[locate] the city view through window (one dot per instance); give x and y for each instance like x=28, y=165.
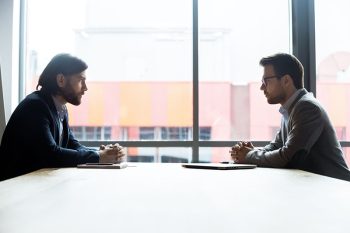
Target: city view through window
x=140, y=75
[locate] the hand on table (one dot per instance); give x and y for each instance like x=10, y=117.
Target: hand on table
x=111, y=153
x=240, y=150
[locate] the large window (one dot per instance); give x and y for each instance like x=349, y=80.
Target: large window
x=142, y=69
x=233, y=37
x=332, y=24
x=139, y=55
x=178, y=80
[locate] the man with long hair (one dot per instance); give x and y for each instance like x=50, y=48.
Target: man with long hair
x=38, y=134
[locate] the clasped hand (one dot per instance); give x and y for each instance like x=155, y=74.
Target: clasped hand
x=240, y=150
x=111, y=153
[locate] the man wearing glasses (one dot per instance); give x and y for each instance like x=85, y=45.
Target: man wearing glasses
x=306, y=139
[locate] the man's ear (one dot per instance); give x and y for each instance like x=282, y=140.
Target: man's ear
x=287, y=80
x=61, y=80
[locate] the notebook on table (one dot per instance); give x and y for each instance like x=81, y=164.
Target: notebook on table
x=218, y=166
x=103, y=165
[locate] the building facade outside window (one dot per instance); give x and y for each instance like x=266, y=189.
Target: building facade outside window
x=92, y=133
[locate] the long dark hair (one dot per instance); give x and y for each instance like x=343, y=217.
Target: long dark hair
x=62, y=63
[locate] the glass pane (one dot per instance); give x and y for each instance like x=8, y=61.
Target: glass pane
x=147, y=133
x=140, y=62
x=204, y=133
x=332, y=24
x=159, y=155
x=214, y=154
x=346, y=151
x=234, y=36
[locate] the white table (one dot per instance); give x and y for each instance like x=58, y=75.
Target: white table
x=168, y=198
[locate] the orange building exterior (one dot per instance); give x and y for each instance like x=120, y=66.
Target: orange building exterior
x=232, y=112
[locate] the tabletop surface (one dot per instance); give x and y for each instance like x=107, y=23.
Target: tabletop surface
x=169, y=198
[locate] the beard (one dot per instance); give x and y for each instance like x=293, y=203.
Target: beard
x=70, y=95
x=277, y=99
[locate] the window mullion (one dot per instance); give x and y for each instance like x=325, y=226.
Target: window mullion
x=195, y=96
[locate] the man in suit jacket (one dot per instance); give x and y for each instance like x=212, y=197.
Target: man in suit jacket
x=306, y=139
x=38, y=134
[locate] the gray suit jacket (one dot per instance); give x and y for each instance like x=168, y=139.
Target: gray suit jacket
x=309, y=143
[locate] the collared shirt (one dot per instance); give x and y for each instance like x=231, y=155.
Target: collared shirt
x=61, y=112
x=284, y=110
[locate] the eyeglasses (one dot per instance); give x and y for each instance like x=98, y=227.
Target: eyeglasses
x=263, y=80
